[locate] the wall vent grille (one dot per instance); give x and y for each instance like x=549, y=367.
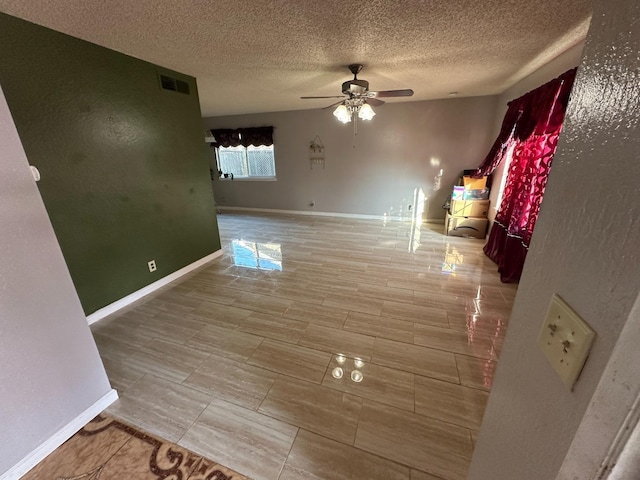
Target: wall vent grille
x=173, y=84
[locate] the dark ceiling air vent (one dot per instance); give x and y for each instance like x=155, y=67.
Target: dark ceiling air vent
x=169, y=83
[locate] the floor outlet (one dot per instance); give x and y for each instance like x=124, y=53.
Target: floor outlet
x=152, y=265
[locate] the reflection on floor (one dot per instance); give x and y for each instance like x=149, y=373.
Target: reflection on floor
x=318, y=348
x=106, y=449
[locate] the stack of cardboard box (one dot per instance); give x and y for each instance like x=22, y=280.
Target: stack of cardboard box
x=469, y=208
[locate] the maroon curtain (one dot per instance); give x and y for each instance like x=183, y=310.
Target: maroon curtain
x=257, y=136
x=226, y=137
x=537, y=121
x=501, y=145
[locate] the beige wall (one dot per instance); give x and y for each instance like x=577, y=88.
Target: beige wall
x=51, y=371
x=585, y=248
x=376, y=172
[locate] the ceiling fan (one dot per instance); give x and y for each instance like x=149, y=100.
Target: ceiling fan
x=358, y=99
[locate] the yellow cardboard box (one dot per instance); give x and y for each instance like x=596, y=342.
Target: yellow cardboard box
x=469, y=208
x=466, y=226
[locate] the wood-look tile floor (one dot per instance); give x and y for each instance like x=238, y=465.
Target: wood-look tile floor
x=318, y=348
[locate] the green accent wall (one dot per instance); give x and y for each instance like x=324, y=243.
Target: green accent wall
x=125, y=172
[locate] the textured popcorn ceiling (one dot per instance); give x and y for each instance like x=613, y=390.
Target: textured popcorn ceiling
x=258, y=55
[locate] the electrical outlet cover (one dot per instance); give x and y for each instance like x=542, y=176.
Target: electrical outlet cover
x=565, y=339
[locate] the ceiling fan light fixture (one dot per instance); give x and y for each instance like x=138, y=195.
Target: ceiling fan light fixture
x=342, y=113
x=366, y=112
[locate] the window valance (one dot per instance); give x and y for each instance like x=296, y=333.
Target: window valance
x=257, y=136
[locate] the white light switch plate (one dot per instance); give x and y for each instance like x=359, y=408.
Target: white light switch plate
x=565, y=339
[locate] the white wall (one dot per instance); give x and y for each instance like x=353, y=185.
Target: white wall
x=51, y=371
x=555, y=68
x=585, y=248
x=376, y=172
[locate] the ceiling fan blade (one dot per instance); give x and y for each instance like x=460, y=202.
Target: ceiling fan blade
x=333, y=96
x=374, y=102
x=333, y=105
x=392, y=93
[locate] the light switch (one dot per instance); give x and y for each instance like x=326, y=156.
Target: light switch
x=566, y=340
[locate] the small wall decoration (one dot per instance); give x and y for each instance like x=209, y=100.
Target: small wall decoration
x=316, y=152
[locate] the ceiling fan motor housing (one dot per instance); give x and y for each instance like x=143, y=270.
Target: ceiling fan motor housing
x=355, y=87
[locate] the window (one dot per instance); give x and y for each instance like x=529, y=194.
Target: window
x=247, y=162
x=505, y=173
x=245, y=152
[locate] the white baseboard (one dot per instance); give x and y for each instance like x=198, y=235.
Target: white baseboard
x=305, y=212
x=323, y=214
x=137, y=295
x=58, y=438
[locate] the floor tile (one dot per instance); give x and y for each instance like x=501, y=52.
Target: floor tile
x=254, y=339
x=411, y=439
x=449, y=303
x=415, y=313
x=263, y=303
x=221, y=315
x=122, y=374
x=168, y=301
x=292, y=360
x=486, y=325
x=382, y=384
x=319, y=409
x=249, y=442
x=353, y=303
x=476, y=372
x=316, y=314
x=413, y=283
x=298, y=292
x=167, y=326
x=317, y=458
x=263, y=285
x=167, y=359
x=215, y=294
x=466, y=343
x=235, y=382
x=338, y=341
x=457, y=404
x=123, y=332
x=416, y=359
x=384, y=292
x=159, y=406
x=225, y=342
x=418, y=475
x=114, y=348
x=274, y=326
x=361, y=278
x=380, y=326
